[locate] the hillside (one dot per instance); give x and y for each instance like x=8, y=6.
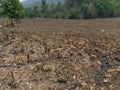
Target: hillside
x=33, y=2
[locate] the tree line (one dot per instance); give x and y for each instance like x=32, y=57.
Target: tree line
x=70, y=9
x=75, y=9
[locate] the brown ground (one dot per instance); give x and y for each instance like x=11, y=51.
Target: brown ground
x=49, y=54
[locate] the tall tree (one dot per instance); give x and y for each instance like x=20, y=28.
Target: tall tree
x=44, y=8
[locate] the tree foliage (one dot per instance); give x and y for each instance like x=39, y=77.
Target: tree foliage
x=12, y=9
x=77, y=9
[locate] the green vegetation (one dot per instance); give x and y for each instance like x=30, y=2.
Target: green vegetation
x=70, y=9
x=75, y=9
x=12, y=9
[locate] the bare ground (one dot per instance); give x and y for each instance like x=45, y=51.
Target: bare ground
x=50, y=54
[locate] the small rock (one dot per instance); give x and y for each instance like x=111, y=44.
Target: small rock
x=74, y=77
x=98, y=62
x=102, y=30
x=105, y=81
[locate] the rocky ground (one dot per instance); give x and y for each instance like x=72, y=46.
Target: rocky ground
x=50, y=54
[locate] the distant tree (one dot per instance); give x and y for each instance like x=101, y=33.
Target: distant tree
x=29, y=13
x=13, y=9
x=36, y=11
x=104, y=8
x=75, y=9
x=44, y=8
x=74, y=13
x=57, y=11
x=116, y=5
x=73, y=3
x=88, y=10
x=0, y=8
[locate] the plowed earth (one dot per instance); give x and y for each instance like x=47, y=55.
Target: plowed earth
x=50, y=54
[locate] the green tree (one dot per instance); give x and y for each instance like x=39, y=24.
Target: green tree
x=13, y=9
x=74, y=13
x=29, y=13
x=88, y=10
x=116, y=4
x=104, y=8
x=73, y=7
x=1, y=8
x=44, y=8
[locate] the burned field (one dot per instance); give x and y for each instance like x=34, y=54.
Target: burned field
x=50, y=54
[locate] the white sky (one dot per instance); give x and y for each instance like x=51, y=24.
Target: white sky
x=22, y=0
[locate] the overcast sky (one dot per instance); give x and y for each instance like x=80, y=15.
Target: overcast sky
x=22, y=0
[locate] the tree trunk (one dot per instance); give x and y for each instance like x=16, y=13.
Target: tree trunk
x=12, y=22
